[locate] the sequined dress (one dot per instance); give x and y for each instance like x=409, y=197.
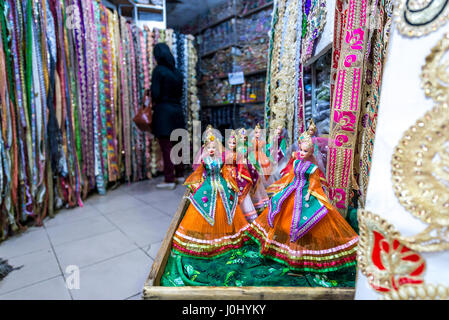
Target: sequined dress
x=213, y=223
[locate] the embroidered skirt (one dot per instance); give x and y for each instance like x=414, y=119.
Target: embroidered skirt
x=196, y=237
x=329, y=245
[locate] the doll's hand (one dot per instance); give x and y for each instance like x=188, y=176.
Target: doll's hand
x=307, y=197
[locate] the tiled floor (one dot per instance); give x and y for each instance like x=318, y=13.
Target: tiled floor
x=113, y=240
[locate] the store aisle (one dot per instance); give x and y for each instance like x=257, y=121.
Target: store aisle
x=113, y=240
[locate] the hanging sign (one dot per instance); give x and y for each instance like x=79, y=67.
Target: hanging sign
x=236, y=78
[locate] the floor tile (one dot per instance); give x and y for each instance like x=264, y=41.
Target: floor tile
x=135, y=297
x=142, y=212
x=52, y=289
x=101, y=238
x=139, y=187
x=71, y=215
x=120, y=202
x=167, y=207
x=25, y=243
x=115, y=279
x=153, y=194
x=153, y=249
x=145, y=231
x=78, y=230
x=37, y=266
x=89, y=251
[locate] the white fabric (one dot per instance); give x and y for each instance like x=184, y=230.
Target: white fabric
x=402, y=102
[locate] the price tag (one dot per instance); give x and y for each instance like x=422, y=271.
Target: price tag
x=236, y=78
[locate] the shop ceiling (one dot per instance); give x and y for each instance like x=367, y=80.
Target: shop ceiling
x=179, y=12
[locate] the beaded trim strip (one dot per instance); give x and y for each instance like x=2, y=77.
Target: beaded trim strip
x=346, y=109
x=283, y=82
x=370, y=102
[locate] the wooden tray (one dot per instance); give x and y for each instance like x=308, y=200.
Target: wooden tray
x=154, y=291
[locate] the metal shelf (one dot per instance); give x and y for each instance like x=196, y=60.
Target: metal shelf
x=216, y=50
x=216, y=23
x=255, y=10
x=251, y=12
x=224, y=76
x=230, y=104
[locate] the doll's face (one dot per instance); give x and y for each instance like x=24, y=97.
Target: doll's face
x=232, y=143
x=305, y=149
x=257, y=133
x=312, y=131
x=211, y=148
x=278, y=131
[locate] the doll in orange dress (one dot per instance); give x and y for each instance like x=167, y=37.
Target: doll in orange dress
x=213, y=223
x=241, y=174
x=259, y=196
x=259, y=159
x=300, y=227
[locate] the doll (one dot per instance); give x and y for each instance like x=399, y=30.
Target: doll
x=278, y=146
x=258, y=194
x=241, y=174
x=320, y=149
x=300, y=227
x=259, y=159
x=279, y=151
x=213, y=223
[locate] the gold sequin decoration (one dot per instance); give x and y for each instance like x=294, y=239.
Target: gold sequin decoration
x=435, y=75
x=420, y=163
x=395, y=262
x=416, y=18
x=420, y=167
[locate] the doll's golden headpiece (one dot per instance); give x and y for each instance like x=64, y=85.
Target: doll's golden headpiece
x=242, y=132
x=209, y=135
x=312, y=128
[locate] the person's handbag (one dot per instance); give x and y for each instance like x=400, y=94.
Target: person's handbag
x=143, y=118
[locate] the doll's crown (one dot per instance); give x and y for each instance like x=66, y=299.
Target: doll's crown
x=312, y=127
x=242, y=132
x=209, y=135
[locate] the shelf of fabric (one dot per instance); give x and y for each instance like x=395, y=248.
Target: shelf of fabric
x=216, y=50
x=155, y=9
x=225, y=76
x=216, y=23
x=230, y=104
x=253, y=11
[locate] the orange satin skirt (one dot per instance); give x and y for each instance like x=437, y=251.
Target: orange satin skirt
x=330, y=245
x=196, y=237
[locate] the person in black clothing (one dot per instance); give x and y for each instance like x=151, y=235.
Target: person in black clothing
x=166, y=92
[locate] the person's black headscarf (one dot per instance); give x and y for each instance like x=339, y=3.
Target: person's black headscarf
x=163, y=56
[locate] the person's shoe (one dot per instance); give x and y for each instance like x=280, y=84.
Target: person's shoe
x=180, y=180
x=166, y=185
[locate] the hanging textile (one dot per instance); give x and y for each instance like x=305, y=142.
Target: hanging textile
x=378, y=44
x=283, y=85
x=346, y=106
x=72, y=76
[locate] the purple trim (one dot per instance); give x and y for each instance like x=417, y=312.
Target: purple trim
x=305, y=228
x=299, y=177
x=296, y=218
